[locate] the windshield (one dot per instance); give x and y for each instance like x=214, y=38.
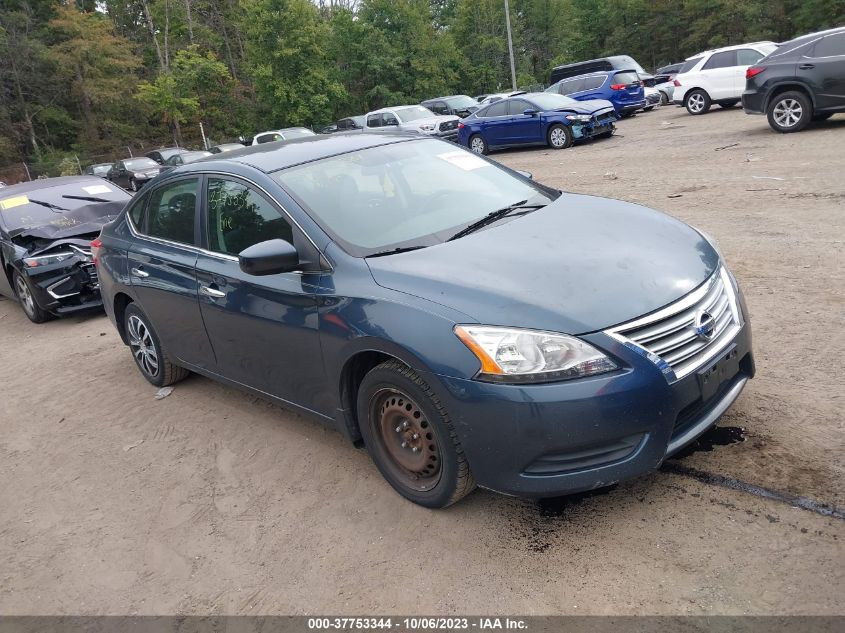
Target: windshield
x=140, y=163
x=413, y=113
x=38, y=207
x=462, y=101
x=416, y=193
x=550, y=101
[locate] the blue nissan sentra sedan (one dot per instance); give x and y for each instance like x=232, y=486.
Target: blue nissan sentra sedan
x=469, y=326
x=536, y=118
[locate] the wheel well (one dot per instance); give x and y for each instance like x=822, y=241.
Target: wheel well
x=788, y=88
x=350, y=380
x=121, y=300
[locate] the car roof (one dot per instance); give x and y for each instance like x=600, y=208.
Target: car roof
x=47, y=183
x=270, y=157
x=396, y=107
x=732, y=48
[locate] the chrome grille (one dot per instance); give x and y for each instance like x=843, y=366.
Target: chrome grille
x=674, y=334
x=449, y=125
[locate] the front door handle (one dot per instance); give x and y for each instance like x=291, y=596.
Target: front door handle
x=806, y=66
x=140, y=273
x=208, y=291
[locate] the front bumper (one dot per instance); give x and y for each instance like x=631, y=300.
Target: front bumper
x=66, y=287
x=562, y=438
x=625, y=108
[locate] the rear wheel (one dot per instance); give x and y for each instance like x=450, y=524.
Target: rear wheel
x=410, y=437
x=27, y=299
x=560, y=136
x=478, y=145
x=150, y=357
x=697, y=102
x=789, y=112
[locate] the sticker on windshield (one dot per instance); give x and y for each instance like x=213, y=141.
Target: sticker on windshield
x=97, y=189
x=464, y=160
x=11, y=203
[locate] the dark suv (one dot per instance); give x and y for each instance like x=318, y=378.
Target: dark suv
x=802, y=81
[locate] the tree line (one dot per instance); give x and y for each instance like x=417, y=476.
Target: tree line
x=91, y=77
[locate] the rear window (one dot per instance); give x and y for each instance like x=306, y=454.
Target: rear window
x=689, y=65
x=591, y=83
x=626, y=77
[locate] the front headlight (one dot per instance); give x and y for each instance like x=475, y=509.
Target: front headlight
x=46, y=260
x=140, y=176
x=579, y=117
x=524, y=356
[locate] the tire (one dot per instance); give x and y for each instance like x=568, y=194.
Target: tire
x=133, y=186
x=478, y=145
x=151, y=358
x=789, y=112
x=409, y=435
x=664, y=98
x=27, y=299
x=822, y=116
x=559, y=136
x=605, y=134
x=697, y=102
x=648, y=108
x=728, y=104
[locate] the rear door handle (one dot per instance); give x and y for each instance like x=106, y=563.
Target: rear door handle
x=806, y=66
x=208, y=291
x=138, y=272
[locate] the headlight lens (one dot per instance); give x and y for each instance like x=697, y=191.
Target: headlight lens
x=519, y=356
x=46, y=260
x=578, y=117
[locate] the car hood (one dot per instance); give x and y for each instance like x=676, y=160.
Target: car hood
x=80, y=221
x=578, y=265
x=590, y=106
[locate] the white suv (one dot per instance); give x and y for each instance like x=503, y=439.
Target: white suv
x=716, y=76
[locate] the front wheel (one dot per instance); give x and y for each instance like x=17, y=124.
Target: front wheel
x=478, y=145
x=560, y=136
x=150, y=357
x=697, y=102
x=30, y=306
x=789, y=112
x=410, y=437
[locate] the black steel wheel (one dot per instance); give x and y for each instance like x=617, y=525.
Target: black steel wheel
x=410, y=437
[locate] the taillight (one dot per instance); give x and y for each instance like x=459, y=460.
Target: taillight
x=751, y=71
x=96, y=245
x=617, y=86
x=642, y=83
x=460, y=126
x=676, y=83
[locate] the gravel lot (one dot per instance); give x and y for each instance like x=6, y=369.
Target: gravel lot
x=213, y=501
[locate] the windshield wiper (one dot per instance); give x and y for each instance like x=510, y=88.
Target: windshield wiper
x=493, y=216
x=88, y=198
x=49, y=205
x=394, y=251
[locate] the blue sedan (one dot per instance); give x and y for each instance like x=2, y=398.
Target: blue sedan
x=466, y=324
x=536, y=118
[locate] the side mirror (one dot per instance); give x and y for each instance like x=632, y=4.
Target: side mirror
x=269, y=258
x=529, y=112
x=527, y=174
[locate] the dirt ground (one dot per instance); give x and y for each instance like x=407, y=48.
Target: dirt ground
x=212, y=501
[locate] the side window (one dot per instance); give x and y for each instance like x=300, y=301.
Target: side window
x=239, y=217
x=500, y=108
x=571, y=85
x=831, y=46
x=747, y=56
x=438, y=107
x=268, y=138
x=388, y=118
x=171, y=211
x=374, y=120
x=136, y=211
x=591, y=83
x=725, y=59
x=343, y=124
x=518, y=106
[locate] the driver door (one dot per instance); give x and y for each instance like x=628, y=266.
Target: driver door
x=522, y=127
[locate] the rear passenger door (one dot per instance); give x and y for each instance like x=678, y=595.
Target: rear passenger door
x=719, y=73
x=162, y=262
x=263, y=328
x=495, y=123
